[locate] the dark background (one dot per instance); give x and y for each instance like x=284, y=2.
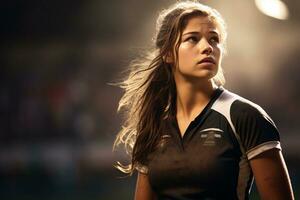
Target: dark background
x=58, y=114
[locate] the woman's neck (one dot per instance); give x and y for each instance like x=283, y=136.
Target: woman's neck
x=191, y=98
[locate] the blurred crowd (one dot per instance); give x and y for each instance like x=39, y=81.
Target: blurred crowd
x=58, y=112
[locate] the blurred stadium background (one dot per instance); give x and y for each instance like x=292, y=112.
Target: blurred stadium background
x=58, y=114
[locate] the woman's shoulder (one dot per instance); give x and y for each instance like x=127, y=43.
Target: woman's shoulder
x=232, y=99
x=243, y=109
x=233, y=105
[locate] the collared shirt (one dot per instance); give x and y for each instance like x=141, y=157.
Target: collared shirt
x=211, y=160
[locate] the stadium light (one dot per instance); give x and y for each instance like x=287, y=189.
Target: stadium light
x=273, y=8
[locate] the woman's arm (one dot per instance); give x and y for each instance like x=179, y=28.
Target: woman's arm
x=271, y=176
x=143, y=189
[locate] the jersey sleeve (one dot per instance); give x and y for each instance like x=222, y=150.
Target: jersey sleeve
x=256, y=130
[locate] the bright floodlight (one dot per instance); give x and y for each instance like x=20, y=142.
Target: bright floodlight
x=273, y=8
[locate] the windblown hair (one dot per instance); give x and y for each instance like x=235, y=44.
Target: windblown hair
x=150, y=90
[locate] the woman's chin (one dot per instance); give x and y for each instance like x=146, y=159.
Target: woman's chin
x=206, y=74
x=201, y=77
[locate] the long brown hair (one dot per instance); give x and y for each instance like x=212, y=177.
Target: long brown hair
x=150, y=90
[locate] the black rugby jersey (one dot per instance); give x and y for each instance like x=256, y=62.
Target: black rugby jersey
x=211, y=160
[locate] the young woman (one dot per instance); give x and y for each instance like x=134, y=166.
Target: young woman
x=189, y=137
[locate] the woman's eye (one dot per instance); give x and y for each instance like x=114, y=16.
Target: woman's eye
x=215, y=39
x=192, y=39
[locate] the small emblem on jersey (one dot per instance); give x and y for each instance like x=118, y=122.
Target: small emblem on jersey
x=211, y=135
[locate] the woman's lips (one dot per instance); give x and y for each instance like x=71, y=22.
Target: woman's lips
x=208, y=60
x=206, y=65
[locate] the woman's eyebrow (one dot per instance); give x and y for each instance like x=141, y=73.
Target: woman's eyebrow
x=215, y=32
x=197, y=32
x=192, y=32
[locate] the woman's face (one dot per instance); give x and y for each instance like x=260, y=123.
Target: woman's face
x=199, y=40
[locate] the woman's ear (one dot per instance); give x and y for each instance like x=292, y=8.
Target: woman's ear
x=168, y=58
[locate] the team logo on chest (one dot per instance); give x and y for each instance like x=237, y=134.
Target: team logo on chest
x=211, y=135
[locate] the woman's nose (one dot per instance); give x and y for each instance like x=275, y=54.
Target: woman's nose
x=206, y=48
